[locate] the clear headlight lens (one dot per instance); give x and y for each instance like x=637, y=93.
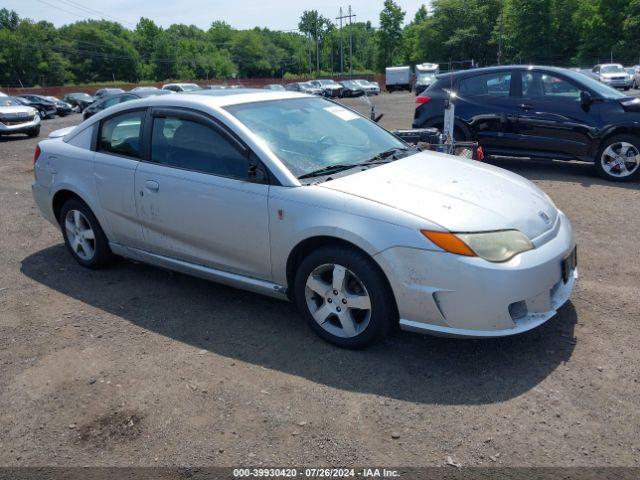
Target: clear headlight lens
x=499, y=246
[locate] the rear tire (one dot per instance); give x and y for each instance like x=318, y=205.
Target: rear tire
x=83, y=235
x=618, y=159
x=345, y=297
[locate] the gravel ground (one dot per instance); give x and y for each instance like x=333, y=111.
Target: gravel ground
x=139, y=366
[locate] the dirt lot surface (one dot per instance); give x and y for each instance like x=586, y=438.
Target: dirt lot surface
x=139, y=366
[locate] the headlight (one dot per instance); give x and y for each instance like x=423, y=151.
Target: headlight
x=499, y=246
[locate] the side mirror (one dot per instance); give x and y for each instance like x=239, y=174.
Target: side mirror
x=586, y=99
x=256, y=174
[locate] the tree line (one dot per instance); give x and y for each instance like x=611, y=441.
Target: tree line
x=557, y=32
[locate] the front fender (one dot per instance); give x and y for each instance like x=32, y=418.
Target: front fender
x=630, y=127
x=301, y=213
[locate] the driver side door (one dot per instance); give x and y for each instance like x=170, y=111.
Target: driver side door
x=194, y=198
x=552, y=119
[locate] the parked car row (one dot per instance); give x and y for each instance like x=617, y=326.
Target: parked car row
x=23, y=113
x=332, y=89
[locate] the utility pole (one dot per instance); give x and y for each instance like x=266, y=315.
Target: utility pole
x=500, y=39
x=317, y=49
x=341, y=17
x=350, y=44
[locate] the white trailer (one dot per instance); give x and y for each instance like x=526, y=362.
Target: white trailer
x=398, y=78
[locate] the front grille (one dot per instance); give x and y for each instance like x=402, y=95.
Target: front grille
x=9, y=121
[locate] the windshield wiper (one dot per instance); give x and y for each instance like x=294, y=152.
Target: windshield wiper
x=392, y=152
x=335, y=169
x=380, y=158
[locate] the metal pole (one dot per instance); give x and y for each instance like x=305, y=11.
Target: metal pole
x=350, y=45
x=500, y=39
x=317, y=49
x=341, y=46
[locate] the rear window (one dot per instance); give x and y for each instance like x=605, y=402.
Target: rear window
x=493, y=84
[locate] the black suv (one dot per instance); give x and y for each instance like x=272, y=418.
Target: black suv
x=539, y=112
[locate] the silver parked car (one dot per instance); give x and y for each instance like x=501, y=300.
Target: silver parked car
x=18, y=118
x=635, y=76
x=297, y=197
x=614, y=75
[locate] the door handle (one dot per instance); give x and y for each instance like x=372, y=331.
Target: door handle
x=152, y=186
x=526, y=106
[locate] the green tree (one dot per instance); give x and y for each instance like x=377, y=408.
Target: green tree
x=527, y=30
x=390, y=34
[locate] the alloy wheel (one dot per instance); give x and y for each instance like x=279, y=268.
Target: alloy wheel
x=338, y=300
x=620, y=159
x=80, y=235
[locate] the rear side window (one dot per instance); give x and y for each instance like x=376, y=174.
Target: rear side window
x=493, y=84
x=120, y=134
x=191, y=145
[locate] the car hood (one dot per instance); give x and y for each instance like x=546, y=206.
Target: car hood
x=12, y=110
x=458, y=194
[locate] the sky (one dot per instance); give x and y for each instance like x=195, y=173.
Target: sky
x=241, y=14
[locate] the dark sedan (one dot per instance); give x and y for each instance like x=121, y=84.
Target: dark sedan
x=111, y=100
x=351, y=89
x=103, y=92
x=78, y=100
x=62, y=108
x=46, y=108
x=539, y=112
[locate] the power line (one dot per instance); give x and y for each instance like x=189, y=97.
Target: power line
x=92, y=11
x=84, y=10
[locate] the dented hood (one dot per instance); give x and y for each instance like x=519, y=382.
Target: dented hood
x=458, y=194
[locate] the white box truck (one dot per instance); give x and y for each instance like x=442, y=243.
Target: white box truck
x=398, y=78
x=425, y=75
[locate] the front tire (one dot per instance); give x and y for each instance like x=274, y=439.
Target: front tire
x=34, y=133
x=83, y=235
x=344, y=297
x=619, y=158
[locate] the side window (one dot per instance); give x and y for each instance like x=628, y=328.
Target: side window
x=494, y=84
x=182, y=143
x=120, y=134
x=545, y=85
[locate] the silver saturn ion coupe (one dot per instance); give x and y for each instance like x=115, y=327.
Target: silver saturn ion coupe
x=299, y=198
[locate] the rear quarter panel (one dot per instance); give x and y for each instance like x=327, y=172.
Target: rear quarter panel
x=62, y=166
